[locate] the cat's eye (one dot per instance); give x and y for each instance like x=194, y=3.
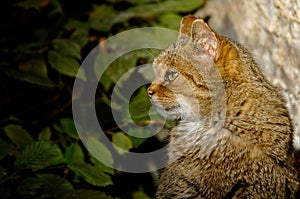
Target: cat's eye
x=171, y=76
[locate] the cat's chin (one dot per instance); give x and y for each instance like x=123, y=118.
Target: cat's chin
x=176, y=113
x=170, y=113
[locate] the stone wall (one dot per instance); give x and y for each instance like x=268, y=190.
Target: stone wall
x=270, y=29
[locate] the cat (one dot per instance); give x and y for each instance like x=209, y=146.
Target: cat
x=233, y=136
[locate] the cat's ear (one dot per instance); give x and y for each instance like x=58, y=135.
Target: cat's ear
x=186, y=25
x=203, y=35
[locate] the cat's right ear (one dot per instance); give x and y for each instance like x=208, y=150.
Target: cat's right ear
x=204, y=36
x=201, y=33
x=186, y=25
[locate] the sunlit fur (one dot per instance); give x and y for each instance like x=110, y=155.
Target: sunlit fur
x=234, y=137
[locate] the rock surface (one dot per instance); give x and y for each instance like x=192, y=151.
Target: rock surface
x=271, y=31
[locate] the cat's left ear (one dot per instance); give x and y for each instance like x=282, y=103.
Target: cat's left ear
x=203, y=35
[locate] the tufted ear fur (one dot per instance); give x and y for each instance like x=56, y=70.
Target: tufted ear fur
x=205, y=37
x=186, y=25
x=201, y=34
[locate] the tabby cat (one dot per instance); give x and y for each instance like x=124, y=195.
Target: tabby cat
x=233, y=137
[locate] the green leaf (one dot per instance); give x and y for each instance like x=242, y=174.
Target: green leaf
x=138, y=133
x=18, y=134
x=54, y=186
x=92, y=175
x=101, y=17
x=139, y=106
x=29, y=186
x=140, y=195
x=122, y=142
x=116, y=69
x=66, y=65
x=35, y=66
x=156, y=9
x=45, y=134
x=28, y=4
x=86, y=194
x=57, y=8
x=30, y=78
x=67, y=47
x=69, y=127
x=38, y=155
x=170, y=20
x=74, y=154
x=166, y=6
x=6, y=149
x=81, y=40
x=102, y=166
x=80, y=31
x=77, y=27
x=99, y=151
x=141, y=1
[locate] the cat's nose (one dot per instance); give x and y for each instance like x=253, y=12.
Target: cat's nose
x=151, y=90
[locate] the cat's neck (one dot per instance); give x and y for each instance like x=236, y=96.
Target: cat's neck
x=190, y=137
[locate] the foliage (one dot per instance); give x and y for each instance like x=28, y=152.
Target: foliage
x=43, y=44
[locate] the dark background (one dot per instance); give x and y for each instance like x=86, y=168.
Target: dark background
x=42, y=44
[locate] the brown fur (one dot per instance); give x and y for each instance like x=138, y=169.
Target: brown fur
x=251, y=155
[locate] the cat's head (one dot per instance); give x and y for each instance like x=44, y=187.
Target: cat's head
x=187, y=81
